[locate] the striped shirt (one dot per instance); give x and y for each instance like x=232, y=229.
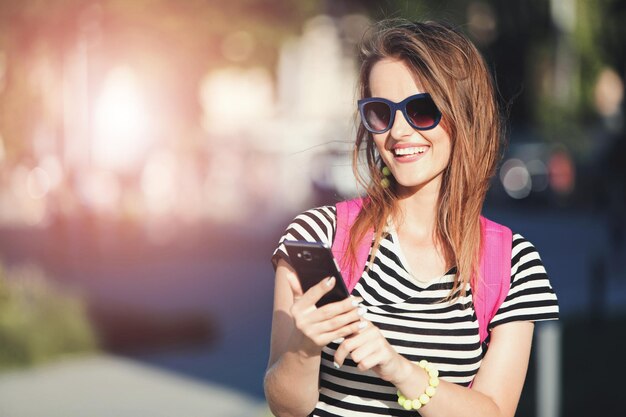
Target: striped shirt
x=414, y=319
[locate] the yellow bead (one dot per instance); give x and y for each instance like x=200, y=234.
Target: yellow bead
x=429, y=367
x=416, y=404
x=408, y=405
x=401, y=400
x=423, y=363
x=424, y=399
x=430, y=391
x=433, y=382
x=433, y=373
x=385, y=182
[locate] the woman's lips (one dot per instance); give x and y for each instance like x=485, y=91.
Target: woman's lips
x=409, y=153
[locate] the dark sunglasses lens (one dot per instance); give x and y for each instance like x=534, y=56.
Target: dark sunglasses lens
x=422, y=112
x=377, y=115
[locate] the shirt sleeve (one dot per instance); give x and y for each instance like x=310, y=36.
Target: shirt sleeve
x=314, y=225
x=530, y=297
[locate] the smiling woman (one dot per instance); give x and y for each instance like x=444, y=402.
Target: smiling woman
x=414, y=325
x=122, y=123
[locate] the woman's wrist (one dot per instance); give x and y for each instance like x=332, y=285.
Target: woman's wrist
x=409, y=402
x=298, y=344
x=410, y=378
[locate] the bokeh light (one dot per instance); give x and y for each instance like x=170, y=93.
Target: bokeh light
x=516, y=179
x=38, y=183
x=609, y=92
x=121, y=126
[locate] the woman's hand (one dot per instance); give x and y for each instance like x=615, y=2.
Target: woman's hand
x=316, y=327
x=370, y=350
x=299, y=332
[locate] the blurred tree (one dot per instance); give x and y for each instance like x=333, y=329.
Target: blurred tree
x=37, y=321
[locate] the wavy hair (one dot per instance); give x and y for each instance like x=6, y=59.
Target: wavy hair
x=453, y=71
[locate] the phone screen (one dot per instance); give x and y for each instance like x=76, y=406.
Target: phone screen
x=313, y=262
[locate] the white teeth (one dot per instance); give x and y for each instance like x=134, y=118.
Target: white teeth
x=410, y=151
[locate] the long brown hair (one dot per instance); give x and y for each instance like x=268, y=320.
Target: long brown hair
x=452, y=70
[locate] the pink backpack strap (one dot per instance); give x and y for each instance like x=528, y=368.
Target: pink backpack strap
x=347, y=212
x=495, y=273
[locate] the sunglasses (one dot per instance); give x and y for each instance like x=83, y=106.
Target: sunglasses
x=378, y=114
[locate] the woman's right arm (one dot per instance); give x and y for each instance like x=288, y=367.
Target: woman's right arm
x=299, y=332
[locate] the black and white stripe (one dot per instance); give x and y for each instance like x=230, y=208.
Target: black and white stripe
x=415, y=320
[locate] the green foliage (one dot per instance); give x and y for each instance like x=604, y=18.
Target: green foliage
x=37, y=321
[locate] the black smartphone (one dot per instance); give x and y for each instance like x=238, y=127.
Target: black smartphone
x=314, y=261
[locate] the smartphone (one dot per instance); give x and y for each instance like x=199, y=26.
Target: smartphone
x=314, y=261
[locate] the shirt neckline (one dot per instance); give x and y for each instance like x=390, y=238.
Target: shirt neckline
x=395, y=240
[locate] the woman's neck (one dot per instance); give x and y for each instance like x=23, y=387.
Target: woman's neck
x=418, y=212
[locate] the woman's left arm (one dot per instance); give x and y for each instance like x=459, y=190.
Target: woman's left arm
x=496, y=388
x=503, y=370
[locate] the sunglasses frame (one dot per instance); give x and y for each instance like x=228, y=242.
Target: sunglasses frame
x=394, y=107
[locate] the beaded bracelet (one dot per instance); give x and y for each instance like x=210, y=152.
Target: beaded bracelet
x=433, y=382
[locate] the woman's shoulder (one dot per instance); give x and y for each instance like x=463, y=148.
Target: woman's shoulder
x=522, y=249
x=324, y=213
x=313, y=225
x=530, y=296
x=519, y=243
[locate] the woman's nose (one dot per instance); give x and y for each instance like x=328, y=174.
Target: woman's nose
x=400, y=128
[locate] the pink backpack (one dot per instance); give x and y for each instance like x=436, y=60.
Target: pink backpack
x=495, y=261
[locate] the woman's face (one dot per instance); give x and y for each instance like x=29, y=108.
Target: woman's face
x=416, y=158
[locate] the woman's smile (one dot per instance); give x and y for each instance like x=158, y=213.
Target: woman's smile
x=409, y=152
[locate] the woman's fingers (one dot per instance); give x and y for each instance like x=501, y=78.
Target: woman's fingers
x=316, y=292
x=367, y=356
x=369, y=350
x=332, y=310
x=339, y=334
x=366, y=333
x=332, y=319
x=329, y=322
x=294, y=283
x=336, y=322
x=306, y=303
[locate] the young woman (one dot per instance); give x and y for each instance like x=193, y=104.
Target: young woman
x=431, y=131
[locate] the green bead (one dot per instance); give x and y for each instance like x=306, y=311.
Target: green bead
x=386, y=171
x=416, y=404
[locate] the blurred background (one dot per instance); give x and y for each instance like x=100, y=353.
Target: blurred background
x=153, y=151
